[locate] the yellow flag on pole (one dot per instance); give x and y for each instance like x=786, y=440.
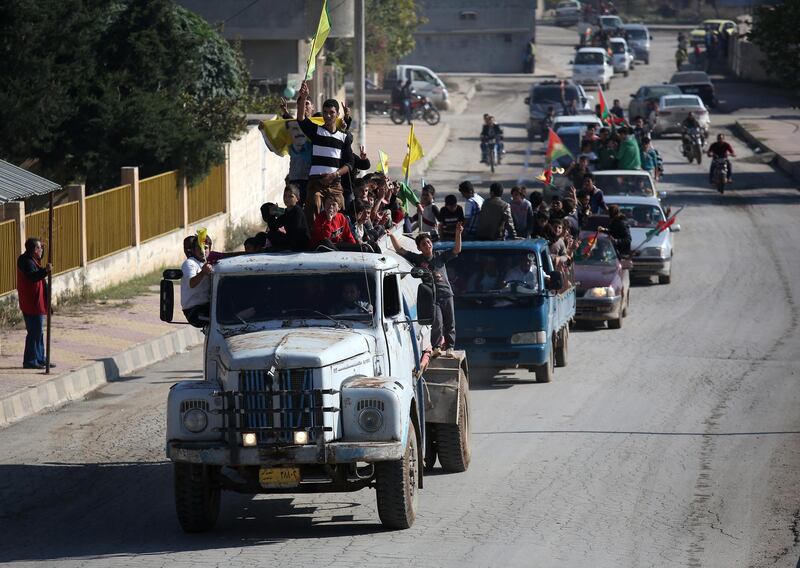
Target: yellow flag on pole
x=323, y=29
x=413, y=153
x=383, y=162
x=280, y=133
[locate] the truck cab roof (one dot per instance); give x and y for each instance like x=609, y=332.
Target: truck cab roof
x=521, y=244
x=322, y=262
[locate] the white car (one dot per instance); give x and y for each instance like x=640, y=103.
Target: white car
x=577, y=120
x=568, y=13
x=626, y=182
x=650, y=257
x=621, y=55
x=592, y=66
x=673, y=110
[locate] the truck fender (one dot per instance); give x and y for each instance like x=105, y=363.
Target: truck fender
x=188, y=395
x=391, y=397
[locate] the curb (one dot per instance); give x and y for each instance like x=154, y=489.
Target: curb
x=422, y=166
x=787, y=167
x=80, y=382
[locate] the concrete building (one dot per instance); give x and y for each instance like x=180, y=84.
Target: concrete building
x=474, y=35
x=275, y=35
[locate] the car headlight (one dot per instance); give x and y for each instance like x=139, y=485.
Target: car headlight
x=660, y=252
x=195, y=420
x=601, y=292
x=529, y=337
x=370, y=419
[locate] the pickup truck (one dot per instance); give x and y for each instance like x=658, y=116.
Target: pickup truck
x=512, y=308
x=425, y=82
x=317, y=377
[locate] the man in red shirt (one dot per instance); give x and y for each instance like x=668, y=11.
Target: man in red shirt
x=331, y=230
x=720, y=149
x=33, y=302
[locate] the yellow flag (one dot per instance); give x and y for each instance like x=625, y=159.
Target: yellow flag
x=414, y=152
x=280, y=132
x=323, y=29
x=383, y=162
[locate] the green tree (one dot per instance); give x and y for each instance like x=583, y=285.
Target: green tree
x=141, y=82
x=774, y=30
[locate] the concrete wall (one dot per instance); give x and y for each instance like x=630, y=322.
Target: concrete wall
x=475, y=35
x=746, y=61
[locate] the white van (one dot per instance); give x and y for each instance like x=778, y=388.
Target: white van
x=424, y=81
x=621, y=55
x=592, y=66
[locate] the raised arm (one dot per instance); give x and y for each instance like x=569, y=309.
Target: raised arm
x=457, y=240
x=396, y=243
x=301, y=102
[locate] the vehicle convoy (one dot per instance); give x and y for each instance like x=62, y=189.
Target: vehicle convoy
x=554, y=94
x=512, y=307
x=621, y=55
x=317, y=378
x=592, y=66
x=424, y=81
x=639, y=39
x=603, y=282
x=651, y=257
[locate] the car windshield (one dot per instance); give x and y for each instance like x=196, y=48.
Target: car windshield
x=601, y=253
x=494, y=274
x=262, y=297
x=589, y=58
x=681, y=101
x=641, y=216
x=711, y=26
x=660, y=91
x=617, y=47
x=637, y=33
x=543, y=94
x=610, y=21
x=624, y=185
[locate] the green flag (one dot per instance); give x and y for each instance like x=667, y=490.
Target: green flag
x=407, y=197
x=323, y=29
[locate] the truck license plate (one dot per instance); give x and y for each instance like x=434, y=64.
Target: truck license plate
x=278, y=477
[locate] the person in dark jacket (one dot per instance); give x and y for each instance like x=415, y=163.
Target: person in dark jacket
x=292, y=220
x=33, y=301
x=495, y=218
x=618, y=229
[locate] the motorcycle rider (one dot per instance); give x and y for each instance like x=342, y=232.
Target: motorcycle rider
x=491, y=131
x=689, y=123
x=720, y=149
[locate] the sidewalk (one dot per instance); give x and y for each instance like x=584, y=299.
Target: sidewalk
x=101, y=342
x=776, y=134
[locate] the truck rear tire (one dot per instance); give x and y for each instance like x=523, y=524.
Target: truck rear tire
x=563, y=347
x=615, y=323
x=396, y=486
x=544, y=373
x=197, y=496
x=452, y=440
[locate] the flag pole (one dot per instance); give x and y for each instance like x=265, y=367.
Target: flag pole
x=49, y=283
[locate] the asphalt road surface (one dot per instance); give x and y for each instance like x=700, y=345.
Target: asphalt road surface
x=674, y=441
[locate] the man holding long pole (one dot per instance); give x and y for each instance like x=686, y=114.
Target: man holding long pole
x=33, y=302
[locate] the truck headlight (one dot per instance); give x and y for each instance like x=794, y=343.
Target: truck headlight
x=529, y=337
x=656, y=252
x=195, y=420
x=603, y=292
x=370, y=419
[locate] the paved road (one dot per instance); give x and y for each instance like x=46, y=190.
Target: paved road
x=674, y=441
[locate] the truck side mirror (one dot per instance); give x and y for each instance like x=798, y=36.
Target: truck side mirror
x=172, y=274
x=166, y=300
x=527, y=100
x=556, y=280
x=418, y=272
x=426, y=303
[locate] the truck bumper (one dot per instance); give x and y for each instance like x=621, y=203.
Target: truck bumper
x=216, y=453
x=506, y=355
x=651, y=267
x=598, y=309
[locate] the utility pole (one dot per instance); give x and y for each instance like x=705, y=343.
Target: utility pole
x=359, y=93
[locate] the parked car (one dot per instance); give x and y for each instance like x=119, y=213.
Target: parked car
x=695, y=83
x=698, y=35
x=576, y=120
x=626, y=182
x=647, y=95
x=673, y=110
x=653, y=258
x=621, y=55
x=592, y=66
x=568, y=13
x=551, y=94
x=602, y=282
x=425, y=83
x=639, y=39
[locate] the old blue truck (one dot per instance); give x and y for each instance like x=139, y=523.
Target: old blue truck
x=513, y=308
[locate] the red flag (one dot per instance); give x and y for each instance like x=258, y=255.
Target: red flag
x=555, y=148
x=604, y=114
x=587, y=248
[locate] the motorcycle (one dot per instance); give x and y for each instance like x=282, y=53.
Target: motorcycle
x=692, y=147
x=421, y=109
x=493, y=155
x=720, y=173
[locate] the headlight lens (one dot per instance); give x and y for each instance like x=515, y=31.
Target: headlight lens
x=195, y=420
x=529, y=337
x=370, y=419
x=656, y=252
x=604, y=292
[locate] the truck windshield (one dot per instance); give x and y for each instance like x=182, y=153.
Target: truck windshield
x=552, y=94
x=494, y=273
x=263, y=297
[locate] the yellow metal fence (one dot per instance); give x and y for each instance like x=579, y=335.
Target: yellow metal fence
x=208, y=197
x=66, y=235
x=160, y=207
x=109, y=222
x=9, y=251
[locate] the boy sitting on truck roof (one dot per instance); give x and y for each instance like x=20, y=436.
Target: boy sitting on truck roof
x=331, y=230
x=444, y=321
x=196, y=282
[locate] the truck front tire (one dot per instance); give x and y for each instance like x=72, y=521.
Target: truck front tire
x=562, y=348
x=544, y=373
x=452, y=440
x=396, y=486
x=197, y=496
